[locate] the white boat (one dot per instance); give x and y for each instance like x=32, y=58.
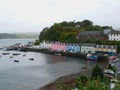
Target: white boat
x=57, y=54
x=16, y=53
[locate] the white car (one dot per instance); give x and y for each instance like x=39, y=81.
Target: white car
x=108, y=71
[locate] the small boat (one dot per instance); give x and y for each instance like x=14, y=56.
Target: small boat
x=31, y=59
x=6, y=53
x=24, y=55
x=16, y=53
x=16, y=60
x=91, y=57
x=11, y=56
x=57, y=54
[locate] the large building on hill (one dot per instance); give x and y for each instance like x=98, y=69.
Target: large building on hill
x=90, y=35
x=114, y=35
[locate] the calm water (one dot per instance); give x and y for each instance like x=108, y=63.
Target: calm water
x=30, y=75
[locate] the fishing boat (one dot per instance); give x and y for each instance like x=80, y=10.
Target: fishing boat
x=91, y=57
x=31, y=59
x=11, y=56
x=16, y=53
x=5, y=53
x=16, y=60
x=24, y=55
x=57, y=54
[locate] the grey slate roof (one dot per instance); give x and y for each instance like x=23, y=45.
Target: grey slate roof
x=106, y=31
x=114, y=32
x=88, y=44
x=90, y=32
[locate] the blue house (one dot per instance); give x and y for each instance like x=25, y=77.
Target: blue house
x=73, y=48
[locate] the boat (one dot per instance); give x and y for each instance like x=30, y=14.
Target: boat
x=57, y=54
x=24, y=55
x=31, y=59
x=11, y=56
x=5, y=53
x=91, y=57
x=16, y=53
x=109, y=72
x=16, y=60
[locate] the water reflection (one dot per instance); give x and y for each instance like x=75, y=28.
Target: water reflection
x=56, y=59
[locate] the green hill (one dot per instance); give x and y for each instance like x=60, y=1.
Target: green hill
x=7, y=35
x=18, y=35
x=68, y=31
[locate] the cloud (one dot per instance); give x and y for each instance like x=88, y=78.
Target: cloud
x=30, y=14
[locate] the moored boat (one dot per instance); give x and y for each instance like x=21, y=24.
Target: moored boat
x=5, y=53
x=31, y=59
x=16, y=53
x=16, y=60
x=91, y=57
x=57, y=54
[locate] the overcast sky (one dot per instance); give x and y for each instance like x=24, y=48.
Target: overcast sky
x=34, y=15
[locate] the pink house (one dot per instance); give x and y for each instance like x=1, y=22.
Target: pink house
x=57, y=46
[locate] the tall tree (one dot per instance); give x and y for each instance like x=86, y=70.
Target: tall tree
x=86, y=23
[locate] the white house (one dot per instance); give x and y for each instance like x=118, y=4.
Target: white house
x=114, y=35
x=88, y=48
x=45, y=45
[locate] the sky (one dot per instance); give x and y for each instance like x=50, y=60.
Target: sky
x=34, y=15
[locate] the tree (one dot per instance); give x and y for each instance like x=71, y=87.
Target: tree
x=37, y=42
x=86, y=23
x=81, y=82
x=97, y=73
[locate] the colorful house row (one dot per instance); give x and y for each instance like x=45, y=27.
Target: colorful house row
x=58, y=46
x=82, y=48
x=106, y=49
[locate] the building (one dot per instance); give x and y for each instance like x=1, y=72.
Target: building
x=58, y=46
x=88, y=48
x=90, y=35
x=114, y=35
x=46, y=45
x=73, y=47
x=106, y=49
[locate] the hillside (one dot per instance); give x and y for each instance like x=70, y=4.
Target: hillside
x=7, y=35
x=18, y=35
x=68, y=31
